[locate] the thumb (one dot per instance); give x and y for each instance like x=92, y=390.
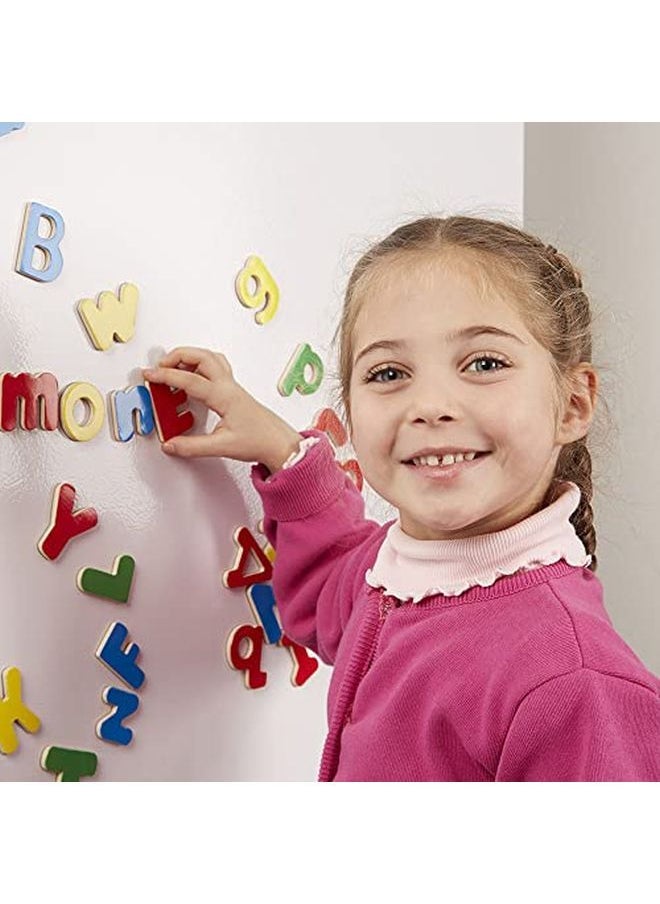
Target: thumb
x=192, y=446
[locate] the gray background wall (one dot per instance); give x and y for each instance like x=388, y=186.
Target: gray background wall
x=593, y=191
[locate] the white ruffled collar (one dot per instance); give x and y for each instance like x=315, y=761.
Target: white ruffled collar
x=408, y=568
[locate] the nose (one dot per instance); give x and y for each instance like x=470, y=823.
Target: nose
x=431, y=416
x=432, y=404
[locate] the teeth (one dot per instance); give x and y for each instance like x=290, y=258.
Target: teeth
x=434, y=461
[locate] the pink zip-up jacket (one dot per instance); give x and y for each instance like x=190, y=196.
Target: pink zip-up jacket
x=522, y=680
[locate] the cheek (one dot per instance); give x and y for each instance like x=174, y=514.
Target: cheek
x=523, y=420
x=371, y=437
x=528, y=429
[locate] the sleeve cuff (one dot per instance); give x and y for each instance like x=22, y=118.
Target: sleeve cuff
x=312, y=485
x=295, y=457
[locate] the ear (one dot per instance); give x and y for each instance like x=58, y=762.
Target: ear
x=579, y=406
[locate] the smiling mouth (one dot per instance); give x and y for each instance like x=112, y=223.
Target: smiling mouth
x=440, y=465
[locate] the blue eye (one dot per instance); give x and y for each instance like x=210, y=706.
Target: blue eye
x=376, y=372
x=391, y=374
x=488, y=358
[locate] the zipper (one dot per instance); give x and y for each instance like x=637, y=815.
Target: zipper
x=330, y=755
x=385, y=605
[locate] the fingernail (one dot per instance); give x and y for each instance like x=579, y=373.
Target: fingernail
x=168, y=447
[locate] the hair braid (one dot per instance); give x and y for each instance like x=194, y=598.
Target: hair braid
x=574, y=464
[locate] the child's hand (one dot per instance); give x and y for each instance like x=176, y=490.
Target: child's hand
x=248, y=431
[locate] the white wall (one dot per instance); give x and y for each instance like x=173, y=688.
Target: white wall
x=177, y=209
x=593, y=190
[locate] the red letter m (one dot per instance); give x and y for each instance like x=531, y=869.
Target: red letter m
x=29, y=393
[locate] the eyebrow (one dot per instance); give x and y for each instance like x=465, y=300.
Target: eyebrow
x=452, y=336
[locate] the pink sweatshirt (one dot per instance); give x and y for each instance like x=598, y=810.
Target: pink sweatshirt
x=519, y=677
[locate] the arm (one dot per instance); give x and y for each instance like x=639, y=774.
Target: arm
x=314, y=514
x=585, y=726
x=314, y=518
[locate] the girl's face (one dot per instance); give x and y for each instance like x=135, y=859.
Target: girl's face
x=436, y=387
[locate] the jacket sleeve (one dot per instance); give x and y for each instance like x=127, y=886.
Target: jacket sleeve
x=585, y=726
x=314, y=518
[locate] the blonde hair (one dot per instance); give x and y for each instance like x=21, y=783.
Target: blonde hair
x=548, y=292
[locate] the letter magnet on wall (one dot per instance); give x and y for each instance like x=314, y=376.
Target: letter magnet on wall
x=7, y=127
x=118, y=658
x=131, y=412
x=33, y=396
x=111, y=317
x=328, y=422
x=110, y=585
x=304, y=664
x=268, y=549
x=49, y=245
x=13, y=710
x=166, y=402
x=110, y=727
x=266, y=295
x=354, y=471
x=94, y=417
x=65, y=524
x=236, y=577
x=248, y=662
x=294, y=373
x=261, y=600
x=68, y=765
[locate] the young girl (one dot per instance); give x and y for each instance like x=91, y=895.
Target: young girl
x=468, y=637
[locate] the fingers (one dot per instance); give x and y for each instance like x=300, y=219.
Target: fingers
x=195, y=370
x=211, y=365
x=203, y=375
x=194, y=385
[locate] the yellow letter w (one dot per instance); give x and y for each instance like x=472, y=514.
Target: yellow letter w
x=110, y=317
